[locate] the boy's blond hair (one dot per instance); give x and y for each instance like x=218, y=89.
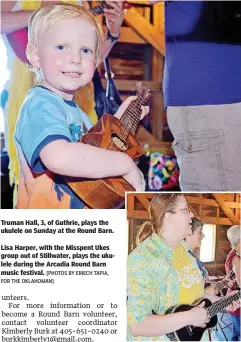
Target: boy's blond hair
x=46, y=16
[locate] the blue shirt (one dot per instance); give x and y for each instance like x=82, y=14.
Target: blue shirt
x=203, y=57
x=45, y=117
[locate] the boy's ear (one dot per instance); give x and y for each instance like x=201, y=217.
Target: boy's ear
x=33, y=56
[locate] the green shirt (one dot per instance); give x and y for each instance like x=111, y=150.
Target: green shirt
x=153, y=283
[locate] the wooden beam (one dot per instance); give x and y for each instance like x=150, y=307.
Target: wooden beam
x=233, y=204
x=157, y=59
x=128, y=35
x=215, y=220
x=203, y=201
x=130, y=204
x=145, y=137
x=141, y=215
x=227, y=211
x=146, y=30
x=130, y=85
x=131, y=235
x=143, y=200
x=139, y=2
x=214, y=265
x=194, y=211
x=157, y=116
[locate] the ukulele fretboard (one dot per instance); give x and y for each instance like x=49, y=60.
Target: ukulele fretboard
x=222, y=304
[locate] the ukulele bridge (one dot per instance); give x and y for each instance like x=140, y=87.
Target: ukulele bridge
x=119, y=142
x=189, y=330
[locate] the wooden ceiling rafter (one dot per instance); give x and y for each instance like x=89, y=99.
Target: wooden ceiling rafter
x=144, y=201
x=197, y=215
x=210, y=210
x=228, y=212
x=146, y=30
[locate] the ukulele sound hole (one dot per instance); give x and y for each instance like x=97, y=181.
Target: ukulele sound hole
x=119, y=142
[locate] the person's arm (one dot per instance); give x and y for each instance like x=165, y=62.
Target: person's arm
x=13, y=21
x=114, y=19
x=236, y=268
x=44, y=135
x=158, y=325
x=81, y=160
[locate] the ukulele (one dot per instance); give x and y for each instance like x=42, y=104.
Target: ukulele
x=221, y=284
x=193, y=333
x=19, y=39
x=224, y=282
x=114, y=135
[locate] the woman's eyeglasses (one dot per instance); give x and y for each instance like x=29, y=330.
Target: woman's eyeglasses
x=186, y=210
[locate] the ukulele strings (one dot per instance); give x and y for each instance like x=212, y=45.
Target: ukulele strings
x=124, y=132
x=134, y=106
x=131, y=124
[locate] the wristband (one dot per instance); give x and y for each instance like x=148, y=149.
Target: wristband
x=111, y=38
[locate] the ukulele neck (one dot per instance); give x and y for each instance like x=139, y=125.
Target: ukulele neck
x=222, y=304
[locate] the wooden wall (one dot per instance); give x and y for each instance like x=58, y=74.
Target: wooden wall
x=210, y=208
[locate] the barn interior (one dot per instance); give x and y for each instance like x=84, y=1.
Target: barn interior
x=218, y=212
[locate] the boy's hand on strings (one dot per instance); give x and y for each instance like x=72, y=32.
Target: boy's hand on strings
x=114, y=17
x=144, y=109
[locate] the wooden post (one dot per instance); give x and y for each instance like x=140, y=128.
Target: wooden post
x=157, y=74
x=130, y=215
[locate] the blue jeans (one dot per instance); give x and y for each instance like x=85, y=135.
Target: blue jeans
x=236, y=329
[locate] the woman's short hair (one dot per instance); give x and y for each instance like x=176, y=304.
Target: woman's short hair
x=233, y=234
x=196, y=223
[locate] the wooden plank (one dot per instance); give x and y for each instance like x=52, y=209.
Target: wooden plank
x=233, y=204
x=157, y=116
x=146, y=30
x=227, y=211
x=128, y=35
x=157, y=67
x=139, y=2
x=130, y=204
x=214, y=265
x=143, y=200
x=145, y=137
x=131, y=234
x=204, y=201
x=141, y=215
x=130, y=85
x=215, y=220
x=157, y=59
x=194, y=211
x=147, y=13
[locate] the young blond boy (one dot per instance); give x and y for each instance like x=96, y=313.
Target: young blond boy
x=63, y=49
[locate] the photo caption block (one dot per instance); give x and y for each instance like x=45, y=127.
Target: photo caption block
x=63, y=275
